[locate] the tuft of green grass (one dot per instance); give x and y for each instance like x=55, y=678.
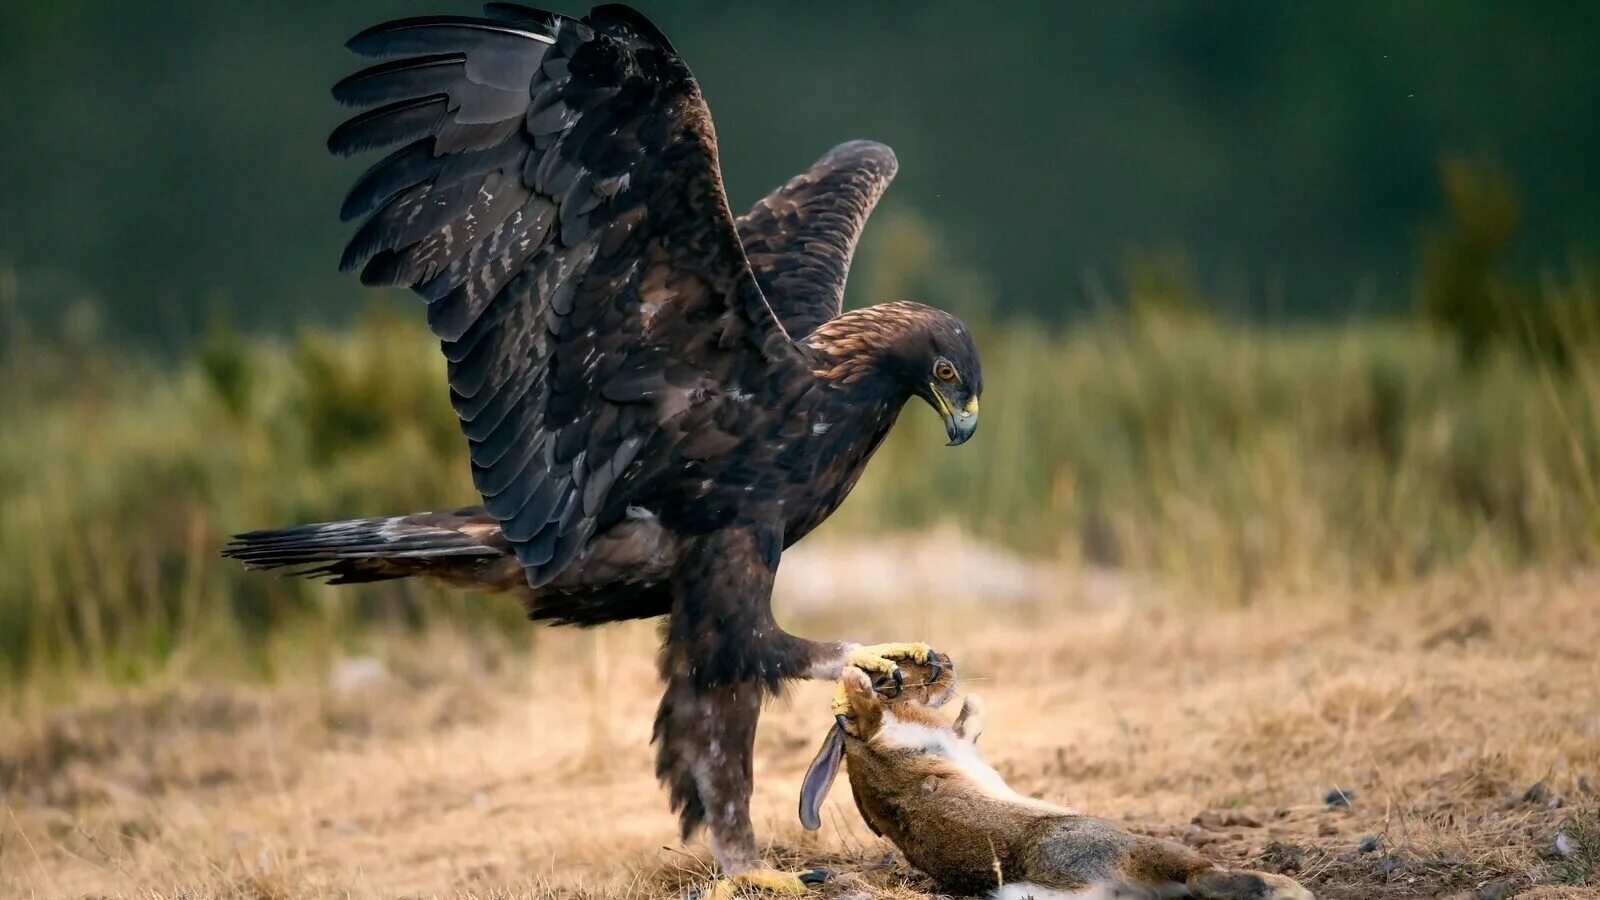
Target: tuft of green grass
x=1577, y=849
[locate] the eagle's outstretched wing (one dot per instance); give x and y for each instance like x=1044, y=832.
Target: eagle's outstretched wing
x=800, y=237
x=557, y=201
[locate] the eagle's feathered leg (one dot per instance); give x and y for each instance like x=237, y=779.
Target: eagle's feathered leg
x=704, y=735
x=723, y=653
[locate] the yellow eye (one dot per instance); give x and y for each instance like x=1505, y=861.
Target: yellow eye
x=943, y=371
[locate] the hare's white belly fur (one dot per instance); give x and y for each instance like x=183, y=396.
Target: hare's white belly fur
x=963, y=755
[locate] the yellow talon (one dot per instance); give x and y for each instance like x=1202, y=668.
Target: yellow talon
x=878, y=659
x=727, y=887
x=841, y=700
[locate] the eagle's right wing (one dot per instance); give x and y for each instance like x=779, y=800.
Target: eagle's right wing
x=557, y=201
x=800, y=237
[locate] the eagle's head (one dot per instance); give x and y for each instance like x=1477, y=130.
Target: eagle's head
x=906, y=349
x=939, y=363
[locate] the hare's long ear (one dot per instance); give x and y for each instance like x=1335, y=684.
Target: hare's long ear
x=819, y=778
x=867, y=715
x=969, y=724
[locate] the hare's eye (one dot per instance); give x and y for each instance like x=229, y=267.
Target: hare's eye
x=943, y=371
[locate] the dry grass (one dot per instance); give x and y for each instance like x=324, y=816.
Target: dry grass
x=478, y=770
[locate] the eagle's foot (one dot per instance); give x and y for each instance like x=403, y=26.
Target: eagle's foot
x=879, y=660
x=771, y=880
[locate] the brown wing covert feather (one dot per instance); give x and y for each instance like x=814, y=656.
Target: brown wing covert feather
x=800, y=237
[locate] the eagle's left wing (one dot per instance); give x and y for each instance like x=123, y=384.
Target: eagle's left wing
x=800, y=237
x=557, y=201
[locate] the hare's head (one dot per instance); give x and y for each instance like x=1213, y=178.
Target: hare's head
x=892, y=727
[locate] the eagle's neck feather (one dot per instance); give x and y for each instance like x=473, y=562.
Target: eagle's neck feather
x=856, y=349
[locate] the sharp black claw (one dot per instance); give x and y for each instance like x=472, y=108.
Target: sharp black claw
x=815, y=876
x=934, y=669
x=899, y=681
x=839, y=720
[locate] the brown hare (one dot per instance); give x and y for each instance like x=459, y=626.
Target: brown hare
x=920, y=782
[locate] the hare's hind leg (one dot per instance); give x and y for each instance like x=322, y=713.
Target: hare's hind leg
x=1086, y=858
x=1241, y=884
x=1175, y=870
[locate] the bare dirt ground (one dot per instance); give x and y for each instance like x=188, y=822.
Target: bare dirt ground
x=1461, y=721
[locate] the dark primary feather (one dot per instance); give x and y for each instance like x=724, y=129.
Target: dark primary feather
x=556, y=201
x=516, y=12
x=800, y=238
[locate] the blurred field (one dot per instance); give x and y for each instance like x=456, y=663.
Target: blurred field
x=1205, y=570
x=1315, y=508
x=1230, y=460
x=1458, y=716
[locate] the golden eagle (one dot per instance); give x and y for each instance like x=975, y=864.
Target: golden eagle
x=658, y=397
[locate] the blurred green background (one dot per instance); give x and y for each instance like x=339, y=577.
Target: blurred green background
x=167, y=158
x=1272, y=297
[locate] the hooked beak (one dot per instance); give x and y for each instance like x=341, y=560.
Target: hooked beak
x=959, y=424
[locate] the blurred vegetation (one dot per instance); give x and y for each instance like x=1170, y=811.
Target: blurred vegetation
x=168, y=157
x=1466, y=291
x=166, y=179
x=1230, y=457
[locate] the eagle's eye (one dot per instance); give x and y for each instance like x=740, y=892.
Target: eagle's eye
x=943, y=371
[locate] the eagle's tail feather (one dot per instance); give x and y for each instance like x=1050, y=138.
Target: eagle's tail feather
x=460, y=547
